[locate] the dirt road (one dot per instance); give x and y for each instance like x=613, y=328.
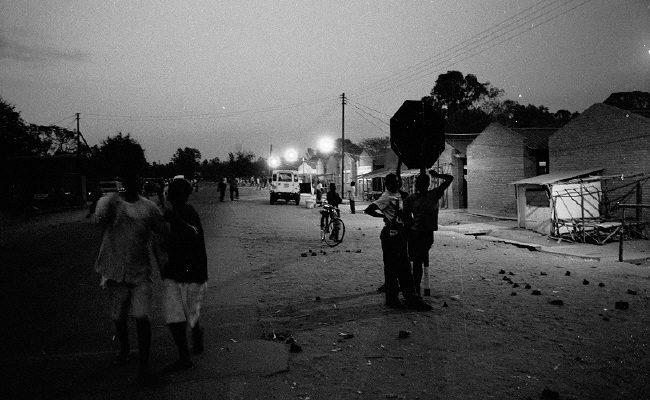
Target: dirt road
x=485, y=338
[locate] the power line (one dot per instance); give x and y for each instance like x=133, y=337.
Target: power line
x=370, y=108
x=367, y=120
x=426, y=68
x=370, y=115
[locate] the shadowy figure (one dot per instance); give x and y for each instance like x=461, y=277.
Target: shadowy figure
x=234, y=189
x=422, y=209
x=352, y=192
x=129, y=252
x=222, y=189
x=397, y=269
x=185, y=275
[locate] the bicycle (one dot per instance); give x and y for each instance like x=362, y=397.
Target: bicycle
x=333, y=231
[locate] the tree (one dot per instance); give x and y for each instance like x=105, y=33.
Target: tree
x=349, y=147
x=54, y=139
x=186, y=162
x=118, y=156
x=15, y=138
x=512, y=114
x=375, y=146
x=461, y=97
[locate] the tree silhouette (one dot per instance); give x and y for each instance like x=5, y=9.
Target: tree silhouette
x=119, y=155
x=186, y=162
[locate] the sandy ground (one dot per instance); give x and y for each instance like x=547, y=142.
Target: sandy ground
x=484, y=338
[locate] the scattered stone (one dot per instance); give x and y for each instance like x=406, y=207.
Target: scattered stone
x=585, y=282
x=605, y=318
x=455, y=297
x=358, y=251
x=601, y=284
x=290, y=340
x=303, y=254
x=314, y=254
x=344, y=335
x=502, y=271
x=548, y=394
x=536, y=292
x=444, y=304
x=527, y=286
x=347, y=250
x=556, y=302
x=295, y=348
x=543, y=273
x=317, y=298
x=515, y=285
x=568, y=273
x=632, y=292
x=511, y=273
x=513, y=294
x=505, y=278
x=404, y=334
x=621, y=305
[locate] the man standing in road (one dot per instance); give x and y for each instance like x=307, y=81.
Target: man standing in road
x=422, y=208
x=222, y=189
x=234, y=190
x=397, y=269
x=186, y=274
x=128, y=254
x=352, y=189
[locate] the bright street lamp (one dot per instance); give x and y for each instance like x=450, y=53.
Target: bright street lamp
x=291, y=155
x=325, y=144
x=274, y=162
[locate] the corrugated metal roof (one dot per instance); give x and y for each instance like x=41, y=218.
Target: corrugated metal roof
x=556, y=177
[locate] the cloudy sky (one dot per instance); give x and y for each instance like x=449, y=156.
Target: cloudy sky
x=224, y=76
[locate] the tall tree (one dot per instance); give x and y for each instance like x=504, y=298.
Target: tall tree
x=512, y=114
x=15, y=138
x=119, y=155
x=349, y=147
x=186, y=161
x=54, y=139
x=375, y=146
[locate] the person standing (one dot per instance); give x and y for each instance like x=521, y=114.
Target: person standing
x=128, y=254
x=319, y=192
x=234, y=189
x=185, y=275
x=422, y=208
x=397, y=269
x=352, y=189
x=222, y=189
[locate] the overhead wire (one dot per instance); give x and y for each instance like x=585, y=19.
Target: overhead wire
x=446, y=62
x=458, y=45
x=367, y=120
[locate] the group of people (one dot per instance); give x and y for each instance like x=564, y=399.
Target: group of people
x=407, y=236
x=231, y=183
x=140, y=237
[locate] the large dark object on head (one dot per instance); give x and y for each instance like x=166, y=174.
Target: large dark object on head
x=417, y=134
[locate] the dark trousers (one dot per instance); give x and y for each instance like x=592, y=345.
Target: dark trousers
x=352, y=210
x=234, y=193
x=397, y=268
x=222, y=194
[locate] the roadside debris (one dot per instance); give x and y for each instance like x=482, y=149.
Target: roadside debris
x=632, y=292
x=515, y=285
x=444, y=304
x=513, y=294
x=585, y=282
x=527, y=286
x=621, y=305
x=548, y=394
x=568, y=273
x=536, y=292
x=502, y=271
x=543, y=273
x=556, y=302
x=344, y=335
x=601, y=284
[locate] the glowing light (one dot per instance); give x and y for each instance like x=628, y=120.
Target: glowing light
x=520, y=96
x=325, y=144
x=274, y=162
x=291, y=155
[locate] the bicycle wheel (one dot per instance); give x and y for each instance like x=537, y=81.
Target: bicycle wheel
x=336, y=229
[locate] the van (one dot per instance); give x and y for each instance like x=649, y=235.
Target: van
x=284, y=184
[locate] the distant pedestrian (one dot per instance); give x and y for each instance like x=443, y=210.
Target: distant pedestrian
x=319, y=192
x=186, y=273
x=222, y=189
x=397, y=269
x=422, y=208
x=352, y=192
x=234, y=189
x=128, y=254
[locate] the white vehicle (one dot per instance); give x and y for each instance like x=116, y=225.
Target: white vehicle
x=284, y=184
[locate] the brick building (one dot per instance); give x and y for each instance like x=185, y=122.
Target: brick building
x=614, y=139
x=499, y=156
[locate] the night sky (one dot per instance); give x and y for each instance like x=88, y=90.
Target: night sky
x=224, y=76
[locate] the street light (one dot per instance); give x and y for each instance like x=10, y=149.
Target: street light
x=291, y=155
x=274, y=162
x=325, y=144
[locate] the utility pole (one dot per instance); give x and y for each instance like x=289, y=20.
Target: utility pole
x=343, y=145
x=78, y=137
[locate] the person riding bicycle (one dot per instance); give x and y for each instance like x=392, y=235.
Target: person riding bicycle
x=334, y=200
